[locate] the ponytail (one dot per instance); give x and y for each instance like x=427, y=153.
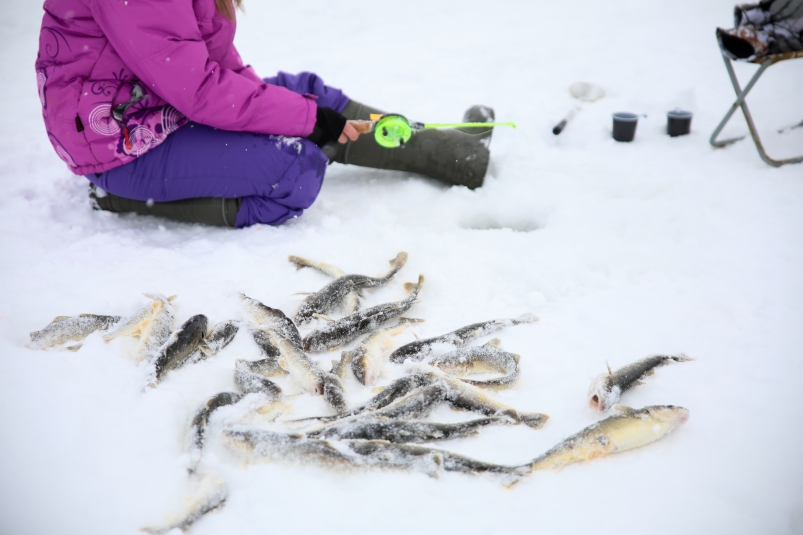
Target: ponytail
x=227, y=7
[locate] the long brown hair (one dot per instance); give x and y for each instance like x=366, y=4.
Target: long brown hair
x=227, y=7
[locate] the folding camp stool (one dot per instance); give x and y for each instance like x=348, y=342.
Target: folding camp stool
x=765, y=62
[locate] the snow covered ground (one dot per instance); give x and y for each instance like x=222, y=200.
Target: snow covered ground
x=623, y=250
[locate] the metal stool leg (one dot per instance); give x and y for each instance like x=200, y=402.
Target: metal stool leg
x=741, y=95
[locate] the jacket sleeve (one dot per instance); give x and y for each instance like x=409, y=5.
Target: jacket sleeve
x=159, y=40
x=234, y=63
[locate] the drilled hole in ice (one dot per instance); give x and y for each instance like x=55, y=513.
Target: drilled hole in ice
x=492, y=222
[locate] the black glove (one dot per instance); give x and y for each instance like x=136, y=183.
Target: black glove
x=328, y=126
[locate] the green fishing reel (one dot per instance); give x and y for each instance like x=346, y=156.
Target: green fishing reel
x=393, y=130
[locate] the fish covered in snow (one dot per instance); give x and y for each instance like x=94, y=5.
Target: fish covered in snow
x=626, y=429
x=488, y=358
x=431, y=460
x=222, y=334
x=420, y=349
x=305, y=372
x=606, y=389
x=341, y=332
x=201, y=420
x=368, y=359
x=344, y=289
x=260, y=445
x=252, y=383
x=272, y=319
x=65, y=329
x=178, y=349
x=402, y=431
x=211, y=494
x=464, y=396
x=152, y=323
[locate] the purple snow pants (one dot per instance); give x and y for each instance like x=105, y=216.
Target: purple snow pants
x=277, y=177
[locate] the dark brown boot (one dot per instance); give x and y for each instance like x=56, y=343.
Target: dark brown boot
x=208, y=210
x=458, y=157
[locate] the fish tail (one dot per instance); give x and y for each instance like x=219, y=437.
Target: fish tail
x=525, y=318
x=414, y=288
x=533, y=420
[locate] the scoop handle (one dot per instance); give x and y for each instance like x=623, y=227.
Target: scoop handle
x=560, y=126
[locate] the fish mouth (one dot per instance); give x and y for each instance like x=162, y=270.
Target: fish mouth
x=595, y=403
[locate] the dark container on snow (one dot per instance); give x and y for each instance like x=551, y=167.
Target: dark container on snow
x=678, y=122
x=624, y=126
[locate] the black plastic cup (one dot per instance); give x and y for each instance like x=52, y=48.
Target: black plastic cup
x=624, y=126
x=678, y=122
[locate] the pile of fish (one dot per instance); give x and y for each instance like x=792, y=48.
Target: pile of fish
x=390, y=430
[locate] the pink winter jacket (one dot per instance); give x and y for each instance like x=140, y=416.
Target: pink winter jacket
x=100, y=56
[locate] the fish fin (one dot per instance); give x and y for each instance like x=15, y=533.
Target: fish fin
x=172, y=298
x=413, y=287
x=74, y=348
x=324, y=317
x=59, y=319
x=525, y=318
x=410, y=321
x=533, y=420
x=623, y=410
x=496, y=342
x=302, y=293
x=400, y=260
x=610, y=372
x=516, y=357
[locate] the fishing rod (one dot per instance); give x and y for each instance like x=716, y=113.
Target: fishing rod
x=392, y=130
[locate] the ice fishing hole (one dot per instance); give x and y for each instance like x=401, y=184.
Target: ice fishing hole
x=488, y=222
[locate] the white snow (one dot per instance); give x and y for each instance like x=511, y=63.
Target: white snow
x=622, y=250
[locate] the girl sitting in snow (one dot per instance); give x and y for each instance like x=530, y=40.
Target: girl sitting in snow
x=151, y=102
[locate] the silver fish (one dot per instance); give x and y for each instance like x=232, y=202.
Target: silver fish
x=272, y=319
x=178, y=349
x=201, y=420
x=65, y=329
x=343, y=331
x=627, y=429
x=151, y=323
x=481, y=359
x=398, y=389
x=305, y=372
x=252, y=383
x=432, y=460
x=606, y=389
x=468, y=397
x=334, y=393
x=265, y=367
x=421, y=349
x=402, y=431
x=211, y=494
x=263, y=342
x=336, y=292
x=262, y=445
x=222, y=334
x=368, y=359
